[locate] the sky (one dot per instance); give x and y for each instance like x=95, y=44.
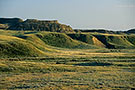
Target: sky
x=79, y=14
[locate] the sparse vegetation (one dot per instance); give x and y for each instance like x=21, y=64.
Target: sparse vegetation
x=83, y=73
x=60, y=61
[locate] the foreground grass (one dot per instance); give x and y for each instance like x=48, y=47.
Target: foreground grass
x=68, y=73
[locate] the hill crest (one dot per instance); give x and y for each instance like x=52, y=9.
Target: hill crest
x=34, y=25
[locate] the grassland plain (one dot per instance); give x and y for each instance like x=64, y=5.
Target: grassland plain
x=33, y=60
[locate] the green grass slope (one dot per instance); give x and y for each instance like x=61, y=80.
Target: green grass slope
x=30, y=44
x=16, y=47
x=116, y=41
x=62, y=40
x=37, y=42
x=87, y=38
x=33, y=43
x=111, y=41
x=131, y=39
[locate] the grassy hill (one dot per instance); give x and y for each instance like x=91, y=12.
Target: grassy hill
x=49, y=56
x=87, y=38
x=62, y=40
x=116, y=41
x=28, y=43
x=41, y=43
x=111, y=41
x=13, y=47
x=51, y=60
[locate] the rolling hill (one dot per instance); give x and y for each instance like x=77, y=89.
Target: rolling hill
x=28, y=43
x=11, y=46
x=40, y=38
x=42, y=43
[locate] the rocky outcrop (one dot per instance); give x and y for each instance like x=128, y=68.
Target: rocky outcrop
x=35, y=25
x=10, y=21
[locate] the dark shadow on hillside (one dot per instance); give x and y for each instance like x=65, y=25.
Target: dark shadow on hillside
x=30, y=32
x=93, y=64
x=21, y=36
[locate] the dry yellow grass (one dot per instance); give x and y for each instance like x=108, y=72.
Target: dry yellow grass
x=97, y=42
x=67, y=69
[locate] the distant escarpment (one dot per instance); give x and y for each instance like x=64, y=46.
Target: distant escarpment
x=131, y=31
x=33, y=25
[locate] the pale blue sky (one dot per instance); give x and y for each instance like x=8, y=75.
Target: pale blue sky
x=85, y=14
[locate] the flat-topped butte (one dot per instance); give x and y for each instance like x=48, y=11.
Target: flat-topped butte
x=34, y=25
